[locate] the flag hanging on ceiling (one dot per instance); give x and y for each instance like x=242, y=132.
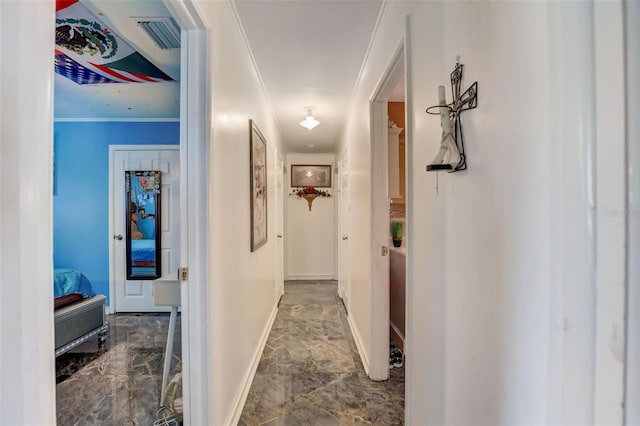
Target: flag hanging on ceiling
x=88, y=52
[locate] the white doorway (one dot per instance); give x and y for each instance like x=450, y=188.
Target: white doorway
x=393, y=77
x=343, y=231
x=279, y=225
x=28, y=153
x=137, y=295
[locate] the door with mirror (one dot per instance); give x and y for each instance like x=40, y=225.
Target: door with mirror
x=145, y=223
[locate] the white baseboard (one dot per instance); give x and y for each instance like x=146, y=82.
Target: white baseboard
x=310, y=277
x=243, y=392
x=395, y=332
x=361, y=350
x=343, y=295
x=345, y=298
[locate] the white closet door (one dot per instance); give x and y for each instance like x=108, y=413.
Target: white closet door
x=137, y=295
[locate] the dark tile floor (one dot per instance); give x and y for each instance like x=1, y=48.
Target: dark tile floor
x=310, y=372
x=121, y=384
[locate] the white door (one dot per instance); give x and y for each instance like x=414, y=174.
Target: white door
x=279, y=226
x=137, y=295
x=343, y=226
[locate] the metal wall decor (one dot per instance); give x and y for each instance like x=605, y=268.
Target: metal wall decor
x=451, y=156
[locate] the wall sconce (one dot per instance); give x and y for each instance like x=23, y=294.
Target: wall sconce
x=309, y=121
x=451, y=156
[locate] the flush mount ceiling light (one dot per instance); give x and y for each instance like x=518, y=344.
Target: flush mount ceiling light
x=309, y=121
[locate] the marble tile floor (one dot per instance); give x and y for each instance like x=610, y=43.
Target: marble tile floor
x=119, y=385
x=310, y=372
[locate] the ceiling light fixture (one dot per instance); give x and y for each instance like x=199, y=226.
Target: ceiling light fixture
x=309, y=121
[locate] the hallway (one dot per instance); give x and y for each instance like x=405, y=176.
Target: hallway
x=310, y=371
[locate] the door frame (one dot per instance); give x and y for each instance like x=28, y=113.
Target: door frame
x=194, y=190
x=344, y=290
x=631, y=413
x=396, y=69
x=113, y=214
x=194, y=210
x=279, y=225
x=34, y=375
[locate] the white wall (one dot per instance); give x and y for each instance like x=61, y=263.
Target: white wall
x=26, y=268
x=310, y=236
x=632, y=402
x=502, y=282
x=611, y=189
x=242, y=296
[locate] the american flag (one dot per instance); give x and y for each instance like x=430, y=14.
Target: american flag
x=88, y=52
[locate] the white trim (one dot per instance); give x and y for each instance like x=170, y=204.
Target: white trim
x=393, y=73
x=398, y=333
x=374, y=36
x=111, y=307
x=194, y=211
x=379, y=226
x=379, y=367
x=364, y=355
x=117, y=120
x=27, y=361
x=245, y=39
x=310, y=277
x=410, y=356
x=611, y=189
x=343, y=273
x=143, y=147
x=632, y=108
x=243, y=391
x=344, y=295
x=186, y=16
x=573, y=227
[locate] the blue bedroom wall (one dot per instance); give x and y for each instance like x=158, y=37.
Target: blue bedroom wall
x=81, y=190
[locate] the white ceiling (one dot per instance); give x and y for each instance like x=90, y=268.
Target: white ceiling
x=308, y=52
x=123, y=101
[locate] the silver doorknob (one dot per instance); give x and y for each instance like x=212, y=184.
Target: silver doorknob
x=346, y=237
x=279, y=235
x=117, y=237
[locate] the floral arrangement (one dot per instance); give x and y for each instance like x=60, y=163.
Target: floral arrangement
x=309, y=190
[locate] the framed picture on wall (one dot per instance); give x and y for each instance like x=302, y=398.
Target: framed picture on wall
x=316, y=175
x=258, y=162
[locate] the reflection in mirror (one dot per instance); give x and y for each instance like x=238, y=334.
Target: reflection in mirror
x=143, y=224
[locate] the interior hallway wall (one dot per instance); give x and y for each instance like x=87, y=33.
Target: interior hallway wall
x=632, y=26
x=501, y=267
x=242, y=296
x=310, y=236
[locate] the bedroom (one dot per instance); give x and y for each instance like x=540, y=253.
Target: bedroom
x=91, y=126
x=82, y=243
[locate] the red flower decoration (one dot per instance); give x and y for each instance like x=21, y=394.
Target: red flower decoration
x=309, y=190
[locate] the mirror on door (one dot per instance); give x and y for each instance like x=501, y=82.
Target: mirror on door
x=143, y=224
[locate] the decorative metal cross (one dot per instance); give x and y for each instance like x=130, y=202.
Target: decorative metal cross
x=452, y=142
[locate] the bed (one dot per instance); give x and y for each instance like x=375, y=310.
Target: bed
x=79, y=311
x=143, y=252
